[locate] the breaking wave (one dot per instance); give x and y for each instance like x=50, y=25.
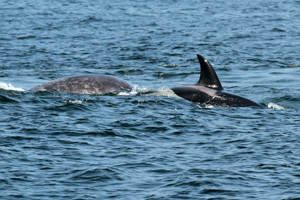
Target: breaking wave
x=8, y=86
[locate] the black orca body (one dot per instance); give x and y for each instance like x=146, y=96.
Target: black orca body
x=209, y=91
x=86, y=84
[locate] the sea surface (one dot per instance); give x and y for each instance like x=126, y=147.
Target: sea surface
x=55, y=145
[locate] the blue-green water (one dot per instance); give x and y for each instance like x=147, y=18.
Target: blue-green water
x=70, y=146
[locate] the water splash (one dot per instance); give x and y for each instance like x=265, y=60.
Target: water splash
x=73, y=101
x=275, y=106
x=8, y=86
x=135, y=90
x=163, y=91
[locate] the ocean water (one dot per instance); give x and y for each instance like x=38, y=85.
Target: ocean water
x=55, y=145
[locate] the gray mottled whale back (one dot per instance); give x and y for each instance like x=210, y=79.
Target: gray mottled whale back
x=86, y=84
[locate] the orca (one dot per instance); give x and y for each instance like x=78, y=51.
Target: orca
x=209, y=91
x=86, y=84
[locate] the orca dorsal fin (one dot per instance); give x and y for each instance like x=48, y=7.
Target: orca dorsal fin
x=208, y=77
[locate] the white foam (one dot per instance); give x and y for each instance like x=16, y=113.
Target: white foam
x=135, y=90
x=8, y=86
x=209, y=106
x=205, y=106
x=275, y=106
x=73, y=101
x=164, y=91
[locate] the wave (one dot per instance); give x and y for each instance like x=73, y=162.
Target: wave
x=8, y=86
